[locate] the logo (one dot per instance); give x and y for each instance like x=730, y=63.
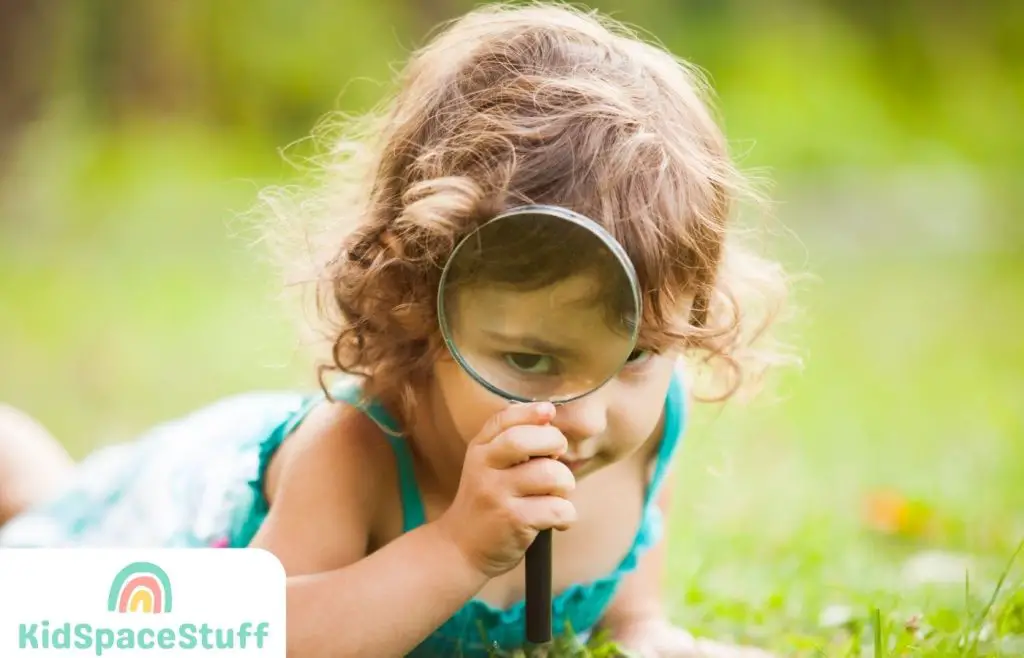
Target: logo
x=140, y=587
x=121, y=603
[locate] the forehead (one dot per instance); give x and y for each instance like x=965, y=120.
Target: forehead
x=578, y=292
x=578, y=296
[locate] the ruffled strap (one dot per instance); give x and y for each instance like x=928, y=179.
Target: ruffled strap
x=652, y=525
x=676, y=410
x=413, y=513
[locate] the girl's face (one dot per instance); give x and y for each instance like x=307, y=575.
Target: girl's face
x=539, y=340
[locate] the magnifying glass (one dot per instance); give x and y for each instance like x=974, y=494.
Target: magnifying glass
x=539, y=303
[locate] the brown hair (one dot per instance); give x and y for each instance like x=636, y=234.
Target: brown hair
x=531, y=104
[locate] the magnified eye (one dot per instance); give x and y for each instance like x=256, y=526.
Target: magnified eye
x=533, y=364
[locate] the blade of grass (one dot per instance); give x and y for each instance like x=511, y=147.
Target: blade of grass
x=879, y=650
x=979, y=622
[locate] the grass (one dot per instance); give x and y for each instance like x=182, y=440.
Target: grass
x=127, y=298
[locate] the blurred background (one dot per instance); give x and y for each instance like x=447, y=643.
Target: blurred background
x=136, y=134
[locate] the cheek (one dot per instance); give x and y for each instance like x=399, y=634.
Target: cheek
x=469, y=405
x=639, y=405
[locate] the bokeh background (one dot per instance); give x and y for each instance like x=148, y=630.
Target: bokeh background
x=136, y=134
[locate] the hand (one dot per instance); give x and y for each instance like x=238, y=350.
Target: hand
x=658, y=638
x=512, y=487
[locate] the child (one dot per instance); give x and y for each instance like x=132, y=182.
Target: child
x=401, y=505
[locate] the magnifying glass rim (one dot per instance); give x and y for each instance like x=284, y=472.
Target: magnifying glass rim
x=566, y=214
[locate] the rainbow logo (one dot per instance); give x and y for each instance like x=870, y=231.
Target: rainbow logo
x=140, y=587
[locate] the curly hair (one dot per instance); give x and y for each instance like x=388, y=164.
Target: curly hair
x=520, y=104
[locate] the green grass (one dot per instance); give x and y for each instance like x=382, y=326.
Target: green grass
x=128, y=295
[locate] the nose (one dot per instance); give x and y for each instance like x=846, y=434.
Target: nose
x=582, y=418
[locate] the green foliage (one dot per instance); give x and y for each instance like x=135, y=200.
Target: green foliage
x=814, y=83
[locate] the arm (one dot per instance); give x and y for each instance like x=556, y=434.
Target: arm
x=383, y=605
x=325, y=487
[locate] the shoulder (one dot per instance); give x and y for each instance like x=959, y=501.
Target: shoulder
x=335, y=438
x=657, y=451
x=324, y=489
x=674, y=416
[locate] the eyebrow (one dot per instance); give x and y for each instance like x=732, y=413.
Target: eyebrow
x=530, y=342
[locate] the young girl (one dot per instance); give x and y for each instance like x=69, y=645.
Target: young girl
x=401, y=500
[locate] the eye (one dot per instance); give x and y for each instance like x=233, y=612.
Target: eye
x=534, y=364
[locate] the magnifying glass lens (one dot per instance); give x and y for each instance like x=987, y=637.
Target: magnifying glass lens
x=539, y=304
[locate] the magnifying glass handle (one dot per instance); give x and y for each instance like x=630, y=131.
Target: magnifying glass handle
x=538, y=589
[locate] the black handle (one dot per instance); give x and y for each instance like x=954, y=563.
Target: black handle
x=538, y=589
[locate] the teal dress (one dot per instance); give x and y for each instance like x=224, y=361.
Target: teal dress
x=198, y=482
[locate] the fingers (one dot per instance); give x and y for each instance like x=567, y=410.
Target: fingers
x=543, y=486
x=547, y=512
x=515, y=415
x=520, y=444
x=516, y=446
x=542, y=477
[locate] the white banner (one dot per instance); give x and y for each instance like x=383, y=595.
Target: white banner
x=127, y=603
